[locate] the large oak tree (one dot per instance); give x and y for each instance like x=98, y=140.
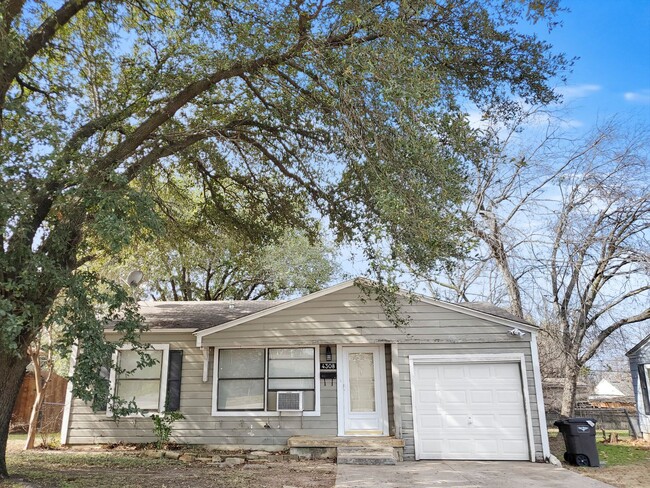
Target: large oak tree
x=282, y=110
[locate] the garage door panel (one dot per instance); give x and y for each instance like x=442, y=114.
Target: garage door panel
x=513, y=446
x=453, y=397
x=430, y=421
x=479, y=373
x=481, y=397
x=452, y=372
x=484, y=421
x=457, y=447
x=470, y=411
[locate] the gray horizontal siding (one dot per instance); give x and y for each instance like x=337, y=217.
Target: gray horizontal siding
x=339, y=318
x=199, y=426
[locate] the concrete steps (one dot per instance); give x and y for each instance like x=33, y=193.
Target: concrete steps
x=366, y=455
x=351, y=450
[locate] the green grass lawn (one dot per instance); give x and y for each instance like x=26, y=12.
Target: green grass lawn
x=622, y=454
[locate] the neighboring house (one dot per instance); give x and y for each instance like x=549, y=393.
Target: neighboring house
x=614, y=390
x=457, y=382
x=639, y=357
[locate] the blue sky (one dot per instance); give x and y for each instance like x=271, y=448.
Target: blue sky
x=612, y=76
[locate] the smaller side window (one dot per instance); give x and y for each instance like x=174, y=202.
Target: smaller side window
x=147, y=386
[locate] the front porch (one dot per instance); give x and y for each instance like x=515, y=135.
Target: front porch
x=348, y=450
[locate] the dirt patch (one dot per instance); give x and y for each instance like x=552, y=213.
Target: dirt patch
x=620, y=476
x=303, y=474
x=117, y=468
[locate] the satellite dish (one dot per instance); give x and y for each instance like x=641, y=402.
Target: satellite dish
x=134, y=278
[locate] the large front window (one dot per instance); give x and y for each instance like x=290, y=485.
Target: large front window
x=249, y=379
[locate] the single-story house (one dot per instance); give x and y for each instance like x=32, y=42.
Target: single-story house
x=639, y=357
x=454, y=382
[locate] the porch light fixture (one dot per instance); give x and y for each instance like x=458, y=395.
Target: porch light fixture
x=328, y=353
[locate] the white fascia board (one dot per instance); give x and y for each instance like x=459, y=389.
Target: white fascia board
x=533, y=329
x=271, y=310
x=67, y=407
x=539, y=395
x=638, y=347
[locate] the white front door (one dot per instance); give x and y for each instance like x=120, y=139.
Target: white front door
x=362, y=391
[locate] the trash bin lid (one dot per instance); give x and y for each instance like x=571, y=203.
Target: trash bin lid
x=576, y=420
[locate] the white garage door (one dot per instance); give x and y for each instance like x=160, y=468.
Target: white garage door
x=469, y=411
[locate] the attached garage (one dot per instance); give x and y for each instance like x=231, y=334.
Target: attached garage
x=471, y=407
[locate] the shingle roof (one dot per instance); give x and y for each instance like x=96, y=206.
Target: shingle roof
x=491, y=309
x=199, y=315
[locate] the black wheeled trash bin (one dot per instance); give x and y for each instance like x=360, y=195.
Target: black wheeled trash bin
x=580, y=441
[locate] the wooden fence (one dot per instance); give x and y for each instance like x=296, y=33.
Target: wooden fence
x=52, y=411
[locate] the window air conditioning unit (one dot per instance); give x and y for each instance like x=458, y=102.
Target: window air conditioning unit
x=289, y=401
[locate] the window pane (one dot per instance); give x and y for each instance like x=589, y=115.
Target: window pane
x=362, y=381
x=240, y=395
x=291, y=368
x=309, y=400
x=241, y=363
x=291, y=384
x=146, y=393
x=304, y=353
x=129, y=361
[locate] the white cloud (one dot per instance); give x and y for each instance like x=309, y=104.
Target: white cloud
x=641, y=96
x=577, y=91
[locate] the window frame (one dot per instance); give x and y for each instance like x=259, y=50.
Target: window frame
x=645, y=392
x=164, y=366
x=265, y=413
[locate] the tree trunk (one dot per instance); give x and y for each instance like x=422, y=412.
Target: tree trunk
x=570, y=390
x=41, y=386
x=12, y=372
x=33, y=419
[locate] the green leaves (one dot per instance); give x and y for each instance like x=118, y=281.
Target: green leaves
x=277, y=114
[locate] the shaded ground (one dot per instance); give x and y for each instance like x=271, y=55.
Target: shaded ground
x=104, y=469
x=624, y=465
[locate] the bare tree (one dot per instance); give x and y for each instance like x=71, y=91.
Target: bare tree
x=563, y=239
x=600, y=254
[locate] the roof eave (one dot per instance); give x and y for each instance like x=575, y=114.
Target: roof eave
x=638, y=346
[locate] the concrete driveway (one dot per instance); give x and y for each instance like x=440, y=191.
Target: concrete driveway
x=462, y=474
